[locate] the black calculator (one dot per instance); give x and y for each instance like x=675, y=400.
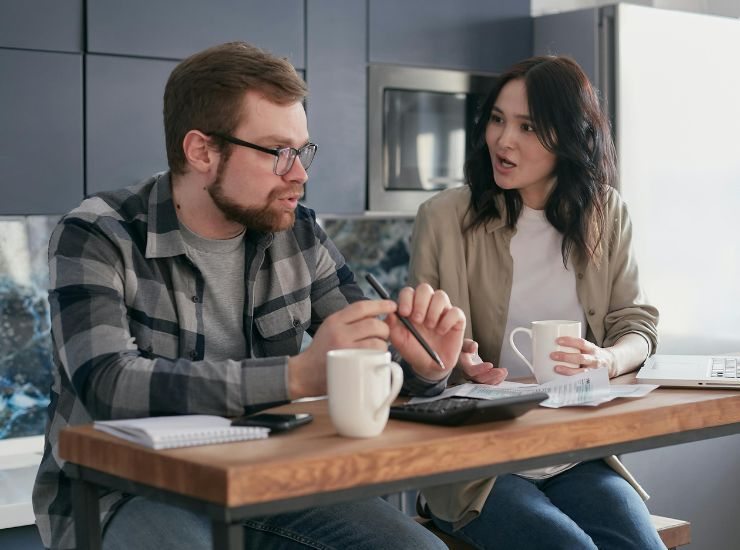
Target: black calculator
x=456, y=411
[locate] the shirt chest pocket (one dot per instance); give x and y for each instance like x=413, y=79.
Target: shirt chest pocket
x=286, y=323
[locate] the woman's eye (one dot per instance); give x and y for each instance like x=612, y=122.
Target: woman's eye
x=496, y=118
x=527, y=127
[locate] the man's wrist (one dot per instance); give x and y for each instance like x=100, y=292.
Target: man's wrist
x=296, y=388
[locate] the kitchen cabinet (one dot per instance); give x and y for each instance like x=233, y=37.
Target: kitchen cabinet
x=175, y=29
x=41, y=139
x=336, y=105
x=124, y=128
x=480, y=36
x=51, y=25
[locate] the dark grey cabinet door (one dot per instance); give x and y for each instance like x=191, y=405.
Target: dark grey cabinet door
x=481, y=35
x=125, y=132
x=337, y=80
x=54, y=25
x=174, y=29
x=41, y=137
x=553, y=34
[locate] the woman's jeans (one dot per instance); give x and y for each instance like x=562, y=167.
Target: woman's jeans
x=588, y=506
x=144, y=524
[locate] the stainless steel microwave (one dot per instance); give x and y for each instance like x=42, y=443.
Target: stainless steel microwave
x=419, y=123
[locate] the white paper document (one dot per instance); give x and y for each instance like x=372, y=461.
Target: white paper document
x=587, y=389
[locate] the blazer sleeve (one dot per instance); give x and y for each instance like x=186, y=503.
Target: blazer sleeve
x=424, y=263
x=629, y=308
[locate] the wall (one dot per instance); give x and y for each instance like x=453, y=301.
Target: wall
x=84, y=81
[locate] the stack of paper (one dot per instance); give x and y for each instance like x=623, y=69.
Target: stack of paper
x=587, y=389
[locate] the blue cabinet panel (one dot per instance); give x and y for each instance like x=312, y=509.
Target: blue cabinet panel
x=553, y=34
x=54, y=25
x=482, y=35
x=41, y=137
x=174, y=29
x=337, y=80
x=125, y=132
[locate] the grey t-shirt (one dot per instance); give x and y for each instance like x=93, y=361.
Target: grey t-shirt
x=221, y=262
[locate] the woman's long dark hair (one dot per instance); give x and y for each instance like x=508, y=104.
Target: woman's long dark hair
x=569, y=123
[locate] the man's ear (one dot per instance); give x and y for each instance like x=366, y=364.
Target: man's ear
x=199, y=153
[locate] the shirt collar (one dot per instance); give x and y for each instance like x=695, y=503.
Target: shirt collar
x=163, y=230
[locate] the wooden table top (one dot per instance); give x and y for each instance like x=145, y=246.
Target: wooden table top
x=314, y=459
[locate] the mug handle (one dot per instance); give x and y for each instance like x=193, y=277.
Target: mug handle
x=396, y=383
x=513, y=345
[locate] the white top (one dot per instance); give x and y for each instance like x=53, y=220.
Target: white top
x=542, y=288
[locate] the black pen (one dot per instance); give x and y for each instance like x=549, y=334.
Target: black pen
x=383, y=293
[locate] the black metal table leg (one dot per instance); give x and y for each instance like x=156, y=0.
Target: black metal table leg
x=86, y=510
x=227, y=536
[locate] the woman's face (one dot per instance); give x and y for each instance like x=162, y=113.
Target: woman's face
x=519, y=160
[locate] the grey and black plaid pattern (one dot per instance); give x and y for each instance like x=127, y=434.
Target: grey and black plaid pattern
x=127, y=324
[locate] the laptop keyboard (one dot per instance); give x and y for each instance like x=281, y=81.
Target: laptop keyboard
x=725, y=367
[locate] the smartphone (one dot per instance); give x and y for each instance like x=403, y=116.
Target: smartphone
x=276, y=422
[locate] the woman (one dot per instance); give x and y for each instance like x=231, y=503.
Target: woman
x=539, y=233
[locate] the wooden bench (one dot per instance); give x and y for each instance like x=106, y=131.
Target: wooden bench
x=673, y=532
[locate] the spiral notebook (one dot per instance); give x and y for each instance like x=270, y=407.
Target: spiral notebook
x=168, y=432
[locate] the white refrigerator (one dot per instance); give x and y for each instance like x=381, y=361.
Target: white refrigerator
x=672, y=83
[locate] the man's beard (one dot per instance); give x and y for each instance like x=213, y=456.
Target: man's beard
x=265, y=219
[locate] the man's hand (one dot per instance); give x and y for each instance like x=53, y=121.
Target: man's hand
x=355, y=326
x=439, y=323
x=477, y=370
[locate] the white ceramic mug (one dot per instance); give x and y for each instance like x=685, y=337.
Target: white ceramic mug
x=361, y=384
x=543, y=335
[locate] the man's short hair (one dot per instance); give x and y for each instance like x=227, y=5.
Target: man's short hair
x=206, y=91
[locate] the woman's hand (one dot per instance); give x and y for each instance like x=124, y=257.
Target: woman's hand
x=475, y=369
x=588, y=356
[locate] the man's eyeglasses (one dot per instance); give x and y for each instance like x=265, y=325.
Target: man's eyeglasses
x=284, y=156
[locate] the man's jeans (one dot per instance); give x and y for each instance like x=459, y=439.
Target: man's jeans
x=589, y=506
x=370, y=524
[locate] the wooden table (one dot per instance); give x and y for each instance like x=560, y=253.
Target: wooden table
x=314, y=466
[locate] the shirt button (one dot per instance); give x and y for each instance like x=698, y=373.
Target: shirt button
x=296, y=323
x=193, y=354
x=591, y=312
x=195, y=299
x=580, y=275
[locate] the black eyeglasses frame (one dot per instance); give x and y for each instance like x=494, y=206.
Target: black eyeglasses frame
x=294, y=153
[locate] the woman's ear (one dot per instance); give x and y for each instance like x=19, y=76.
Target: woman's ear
x=199, y=153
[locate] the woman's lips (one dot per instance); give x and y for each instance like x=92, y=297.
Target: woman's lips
x=503, y=165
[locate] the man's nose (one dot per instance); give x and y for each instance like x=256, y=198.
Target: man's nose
x=297, y=173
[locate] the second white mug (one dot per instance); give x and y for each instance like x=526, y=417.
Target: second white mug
x=543, y=335
x=361, y=384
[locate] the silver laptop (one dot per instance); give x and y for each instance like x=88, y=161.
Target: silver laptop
x=696, y=371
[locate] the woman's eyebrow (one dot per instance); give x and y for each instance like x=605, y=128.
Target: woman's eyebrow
x=522, y=117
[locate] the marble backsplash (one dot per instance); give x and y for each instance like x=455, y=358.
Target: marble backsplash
x=379, y=246
x=25, y=343
x=372, y=245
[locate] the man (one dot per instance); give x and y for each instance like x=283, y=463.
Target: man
x=190, y=293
